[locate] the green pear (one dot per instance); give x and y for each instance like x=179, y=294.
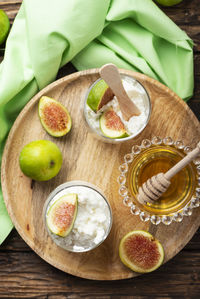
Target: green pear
x=4, y=26
x=168, y=2
x=40, y=160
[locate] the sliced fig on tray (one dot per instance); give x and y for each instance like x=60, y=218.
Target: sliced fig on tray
x=141, y=252
x=62, y=214
x=54, y=117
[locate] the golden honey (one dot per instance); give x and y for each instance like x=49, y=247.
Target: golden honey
x=156, y=159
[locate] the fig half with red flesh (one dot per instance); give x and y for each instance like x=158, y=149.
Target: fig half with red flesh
x=62, y=214
x=141, y=252
x=54, y=117
x=111, y=125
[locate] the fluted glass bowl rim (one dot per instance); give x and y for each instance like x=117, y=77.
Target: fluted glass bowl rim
x=177, y=216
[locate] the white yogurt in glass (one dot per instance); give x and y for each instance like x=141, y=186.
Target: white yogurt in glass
x=93, y=221
x=136, y=124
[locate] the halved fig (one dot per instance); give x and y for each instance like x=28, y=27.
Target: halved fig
x=99, y=95
x=141, y=252
x=62, y=214
x=54, y=117
x=111, y=125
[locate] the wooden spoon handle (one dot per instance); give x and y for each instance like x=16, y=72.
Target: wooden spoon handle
x=110, y=74
x=181, y=164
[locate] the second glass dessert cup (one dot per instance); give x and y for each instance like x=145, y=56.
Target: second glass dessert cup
x=93, y=221
x=150, y=158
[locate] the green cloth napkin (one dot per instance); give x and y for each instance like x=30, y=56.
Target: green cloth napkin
x=46, y=34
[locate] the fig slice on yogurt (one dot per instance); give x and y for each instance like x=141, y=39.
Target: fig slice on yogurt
x=140, y=251
x=99, y=95
x=62, y=214
x=111, y=125
x=54, y=117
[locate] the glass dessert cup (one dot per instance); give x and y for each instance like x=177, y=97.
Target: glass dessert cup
x=66, y=188
x=150, y=158
x=97, y=132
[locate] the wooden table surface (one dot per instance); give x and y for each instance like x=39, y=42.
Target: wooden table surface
x=25, y=275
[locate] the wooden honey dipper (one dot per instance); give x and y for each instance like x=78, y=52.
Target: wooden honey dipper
x=154, y=187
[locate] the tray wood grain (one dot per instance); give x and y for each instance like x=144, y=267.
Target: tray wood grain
x=86, y=158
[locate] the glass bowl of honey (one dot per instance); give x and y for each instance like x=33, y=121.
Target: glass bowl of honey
x=150, y=158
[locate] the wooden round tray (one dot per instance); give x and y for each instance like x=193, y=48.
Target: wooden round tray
x=86, y=158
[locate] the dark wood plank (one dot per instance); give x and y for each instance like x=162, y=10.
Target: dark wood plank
x=193, y=33
x=14, y=243
x=185, y=13
x=185, y=16
x=24, y=275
